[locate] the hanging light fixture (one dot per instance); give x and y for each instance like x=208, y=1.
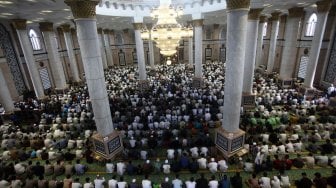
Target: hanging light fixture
x=167, y=32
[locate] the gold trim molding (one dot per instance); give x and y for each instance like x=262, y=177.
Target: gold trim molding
x=198, y=23
x=323, y=6
x=237, y=4
x=254, y=14
x=82, y=8
x=295, y=12
x=66, y=28
x=46, y=26
x=20, y=24
x=262, y=19
x=137, y=26
x=275, y=16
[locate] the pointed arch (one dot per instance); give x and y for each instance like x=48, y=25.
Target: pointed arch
x=311, y=24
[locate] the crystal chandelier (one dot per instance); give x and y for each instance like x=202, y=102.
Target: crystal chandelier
x=167, y=32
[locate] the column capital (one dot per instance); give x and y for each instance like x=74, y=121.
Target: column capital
x=275, y=16
x=295, y=12
x=20, y=24
x=237, y=4
x=254, y=14
x=100, y=31
x=198, y=23
x=138, y=26
x=46, y=26
x=65, y=28
x=216, y=26
x=83, y=8
x=106, y=31
x=262, y=19
x=125, y=30
x=323, y=6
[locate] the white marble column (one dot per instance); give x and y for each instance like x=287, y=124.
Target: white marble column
x=198, y=24
x=323, y=8
x=236, y=38
x=27, y=49
x=261, y=28
x=90, y=50
x=53, y=55
x=5, y=96
x=191, y=55
x=102, y=48
x=108, y=48
x=140, y=51
x=250, y=50
x=71, y=53
x=289, y=52
x=273, y=41
x=151, y=51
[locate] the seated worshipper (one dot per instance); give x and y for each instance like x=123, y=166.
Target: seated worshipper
x=166, y=167
x=213, y=183
x=147, y=167
x=313, y=147
x=202, y=162
x=275, y=182
x=248, y=166
x=284, y=181
x=130, y=168
x=265, y=181
x=20, y=168
x=112, y=183
x=309, y=160
x=59, y=168
x=121, y=183
x=289, y=146
x=170, y=153
x=222, y=165
x=321, y=160
x=304, y=182
x=213, y=165
x=69, y=169
x=194, y=152
x=184, y=161
x=121, y=168
x=298, y=162
x=193, y=166
x=80, y=168
x=333, y=161
x=48, y=168
x=253, y=181
x=327, y=148
x=99, y=182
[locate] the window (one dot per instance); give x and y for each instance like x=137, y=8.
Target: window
x=265, y=29
x=311, y=24
x=35, y=40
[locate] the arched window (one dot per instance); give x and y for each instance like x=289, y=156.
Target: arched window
x=265, y=29
x=35, y=40
x=119, y=39
x=223, y=33
x=311, y=24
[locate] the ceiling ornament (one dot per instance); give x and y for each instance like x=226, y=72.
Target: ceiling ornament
x=166, y=32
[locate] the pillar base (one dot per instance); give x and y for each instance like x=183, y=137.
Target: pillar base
x=107, y=147
x=143, y=85
x=248, y=101
x=230, y=144
x=197, y=82
x=285, y=83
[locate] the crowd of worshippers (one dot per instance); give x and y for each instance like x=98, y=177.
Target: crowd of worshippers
x=174, y=117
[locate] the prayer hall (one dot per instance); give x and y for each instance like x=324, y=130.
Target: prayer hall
x=167, y=93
